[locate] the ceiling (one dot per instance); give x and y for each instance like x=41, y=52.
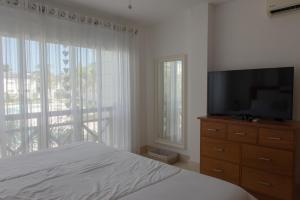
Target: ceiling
x=144, y=11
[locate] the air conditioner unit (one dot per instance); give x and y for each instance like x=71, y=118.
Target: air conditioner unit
x=281, y=6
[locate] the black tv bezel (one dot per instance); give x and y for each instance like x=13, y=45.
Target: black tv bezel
x=247, y=116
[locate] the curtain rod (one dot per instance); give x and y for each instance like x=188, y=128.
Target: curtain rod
x=48, y=10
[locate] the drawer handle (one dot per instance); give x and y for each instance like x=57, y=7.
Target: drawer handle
x=264, y=183
x=219, y=149
x=218, y=170
x=240, y=134
x=274, y=138
x=265, y=159
x=212, y=130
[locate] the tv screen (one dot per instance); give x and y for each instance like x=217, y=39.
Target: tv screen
x=259, y=93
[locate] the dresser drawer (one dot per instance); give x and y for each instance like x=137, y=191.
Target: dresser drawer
x=277, y=138
x=245, y=134
x=259, y=196
x=214, y=130
x=220, y=150
x=277, y=186
x=220, y=169
x=276, y=161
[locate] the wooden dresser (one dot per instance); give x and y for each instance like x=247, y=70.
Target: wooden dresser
x=258, y=156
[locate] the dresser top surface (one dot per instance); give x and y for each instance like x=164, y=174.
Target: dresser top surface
x=261, y=123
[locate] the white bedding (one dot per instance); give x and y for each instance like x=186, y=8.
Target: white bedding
x=89, y=171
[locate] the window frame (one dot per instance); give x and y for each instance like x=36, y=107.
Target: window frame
x=158, y=140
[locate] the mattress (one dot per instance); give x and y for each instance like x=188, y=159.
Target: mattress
x=90, y=171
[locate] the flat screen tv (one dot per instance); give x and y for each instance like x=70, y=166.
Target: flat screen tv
x=256, y=93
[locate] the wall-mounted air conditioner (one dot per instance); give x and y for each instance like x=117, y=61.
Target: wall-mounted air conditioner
x=281, y=6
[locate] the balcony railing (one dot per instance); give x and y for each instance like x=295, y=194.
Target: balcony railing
x=27, y=137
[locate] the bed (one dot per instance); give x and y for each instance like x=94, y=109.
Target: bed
x=90, y=171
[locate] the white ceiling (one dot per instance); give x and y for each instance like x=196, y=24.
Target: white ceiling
x=144, y=11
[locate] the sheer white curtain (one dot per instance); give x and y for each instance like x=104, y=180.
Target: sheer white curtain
x=62, y=82
x=170, y=111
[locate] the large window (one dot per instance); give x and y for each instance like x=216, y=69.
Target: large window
x=52, y=94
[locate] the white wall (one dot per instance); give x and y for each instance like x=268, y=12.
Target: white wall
x=187, y=33
x=246, y=37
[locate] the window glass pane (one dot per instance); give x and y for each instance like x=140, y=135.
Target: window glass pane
x=86, y=63
x=33, y=77
x=11, y=94
x=32, y=101
x=171, y=101
x=51, y=94
x=11, y=75
x=59, y=94
x=22, y=99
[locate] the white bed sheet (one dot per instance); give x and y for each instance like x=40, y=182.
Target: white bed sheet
x=88, y=171
x=189, y=185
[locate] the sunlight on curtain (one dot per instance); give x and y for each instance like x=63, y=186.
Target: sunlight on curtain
x=60, y=89
x=172, y=104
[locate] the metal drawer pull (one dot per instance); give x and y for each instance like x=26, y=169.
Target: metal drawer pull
x=265, y=183
x=265, y=159
x=219, y=149
x=240, y=134
x=218, y=170
x=213, y=130
x=274, y=138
